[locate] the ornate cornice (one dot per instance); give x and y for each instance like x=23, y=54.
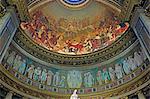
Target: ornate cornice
x=102, y=55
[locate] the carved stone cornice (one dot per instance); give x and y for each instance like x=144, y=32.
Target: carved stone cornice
x=99, y=56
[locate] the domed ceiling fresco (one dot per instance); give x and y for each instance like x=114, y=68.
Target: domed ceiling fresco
x=88, y=27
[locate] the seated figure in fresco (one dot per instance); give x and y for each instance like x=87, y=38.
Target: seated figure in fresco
x=49, y=77
x=22, y=66
x=125, y=66
x=30, y=71
x=43, y=76
x=37, y=74
x=74, y=95
x=112, y=73
x=74, y=79
x=11, y=58
x=118, y=71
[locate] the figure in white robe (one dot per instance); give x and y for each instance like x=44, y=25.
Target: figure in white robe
x=142, y=53
x=49, y=77
x=131, y=63
x=112, y=73
x=118, y=71
x=126, y=67
x=17, y=62
x=74, y=79
x=30, y=71
x=56, y=79
x=37, y=73
x=22, y=66
x=74, y=95
x=44, y=76
x=11, y=58
x=137, y=59
x=88, y=80
x=85, y=80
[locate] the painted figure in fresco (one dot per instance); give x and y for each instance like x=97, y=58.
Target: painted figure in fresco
x=74, y=95
x=62, y=81
x=99, y=77
x=125, y=66
x=11, y=58
x=112, y=73
x=39, y=27
x=142, y=53
x=87, y=45
x=74, y=79
x=56, y=79
x=43, y=76
x=131, y=63
x=105, y=75
x=53, y=40
x=6, y=55
x=88, y=80
x=121, y=28
x=137, y=59
x=85, y=80
x=49, y=77
x=22, y=66
x=118, y=71
x=37, y=73
x=30, y=71
x=17, y=62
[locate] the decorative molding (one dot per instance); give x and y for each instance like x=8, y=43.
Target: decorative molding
x=99, y=56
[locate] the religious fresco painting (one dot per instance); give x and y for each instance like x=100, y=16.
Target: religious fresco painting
x=74, y=32
x=72, y=78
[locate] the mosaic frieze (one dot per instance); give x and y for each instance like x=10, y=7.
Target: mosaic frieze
x=36, y=93
x=39, y=75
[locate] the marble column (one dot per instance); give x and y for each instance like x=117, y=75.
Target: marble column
x=141, y=95
x=9, y=95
